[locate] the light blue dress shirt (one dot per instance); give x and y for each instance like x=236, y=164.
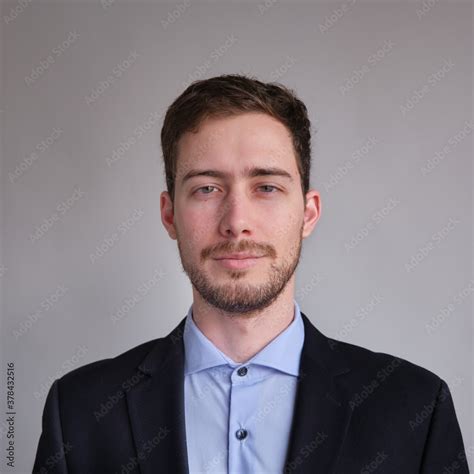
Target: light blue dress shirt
x=238, y=415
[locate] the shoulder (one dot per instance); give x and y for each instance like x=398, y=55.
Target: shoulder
x=140, y=359
x=118, y=372
x=358, y=366
x=370, y=370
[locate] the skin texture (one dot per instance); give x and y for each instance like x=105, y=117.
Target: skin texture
x=240, y=310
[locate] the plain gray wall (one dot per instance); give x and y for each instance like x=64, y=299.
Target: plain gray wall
x=84, y=86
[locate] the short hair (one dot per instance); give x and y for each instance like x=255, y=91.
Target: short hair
x=234, y=94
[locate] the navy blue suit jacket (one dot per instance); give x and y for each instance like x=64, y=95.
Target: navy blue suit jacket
x=356, y=412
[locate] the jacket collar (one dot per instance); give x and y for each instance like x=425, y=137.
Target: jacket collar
x=320, y=420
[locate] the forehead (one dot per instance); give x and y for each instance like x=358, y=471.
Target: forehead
x=243, y=140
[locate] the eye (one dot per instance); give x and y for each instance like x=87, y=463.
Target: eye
x=269, y=186
x=204, y=187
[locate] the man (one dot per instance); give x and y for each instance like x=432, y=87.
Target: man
x=245, y=383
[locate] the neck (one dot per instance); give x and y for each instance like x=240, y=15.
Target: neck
x=241, y=336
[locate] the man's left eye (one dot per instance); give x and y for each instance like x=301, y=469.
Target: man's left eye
x=269, y=186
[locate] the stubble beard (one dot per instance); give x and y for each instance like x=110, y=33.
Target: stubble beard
x=238, y=297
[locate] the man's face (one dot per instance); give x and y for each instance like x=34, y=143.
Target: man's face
x=221, y=208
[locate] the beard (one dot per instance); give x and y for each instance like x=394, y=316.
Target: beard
x=237, y=296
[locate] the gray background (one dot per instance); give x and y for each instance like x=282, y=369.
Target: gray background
x=378, y=162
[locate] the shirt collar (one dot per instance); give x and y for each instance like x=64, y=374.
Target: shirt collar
x=282, y=353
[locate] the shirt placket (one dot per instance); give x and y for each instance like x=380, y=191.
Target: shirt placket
x=241, y=407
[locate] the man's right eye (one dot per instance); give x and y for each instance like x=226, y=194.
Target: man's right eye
x=204, y=187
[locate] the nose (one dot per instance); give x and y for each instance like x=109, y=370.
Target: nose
x=235, y=215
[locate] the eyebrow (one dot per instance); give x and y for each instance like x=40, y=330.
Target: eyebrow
x=252, y=172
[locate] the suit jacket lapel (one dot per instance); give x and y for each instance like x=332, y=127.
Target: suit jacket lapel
x=156, y=408
x=320, y=421
x=322, y=413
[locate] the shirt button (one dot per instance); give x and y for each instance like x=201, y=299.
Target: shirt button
x=242, y=371
x=241, y=434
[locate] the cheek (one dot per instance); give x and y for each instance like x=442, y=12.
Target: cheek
x=284, y=228
x=194, y=228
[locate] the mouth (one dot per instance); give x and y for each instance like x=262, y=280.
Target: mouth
x=238, y=261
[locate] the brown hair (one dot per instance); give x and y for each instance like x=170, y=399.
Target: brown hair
x=233, y=94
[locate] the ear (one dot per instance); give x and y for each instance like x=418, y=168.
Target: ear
x=167, y=214
x=312, y=211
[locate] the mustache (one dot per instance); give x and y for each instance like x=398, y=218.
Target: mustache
x=242, y=246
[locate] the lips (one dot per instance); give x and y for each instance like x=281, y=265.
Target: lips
x=238, y=256
x=238, y=261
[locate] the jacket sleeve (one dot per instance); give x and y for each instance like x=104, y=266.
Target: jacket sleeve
x=444, y=447
x=51, y=452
